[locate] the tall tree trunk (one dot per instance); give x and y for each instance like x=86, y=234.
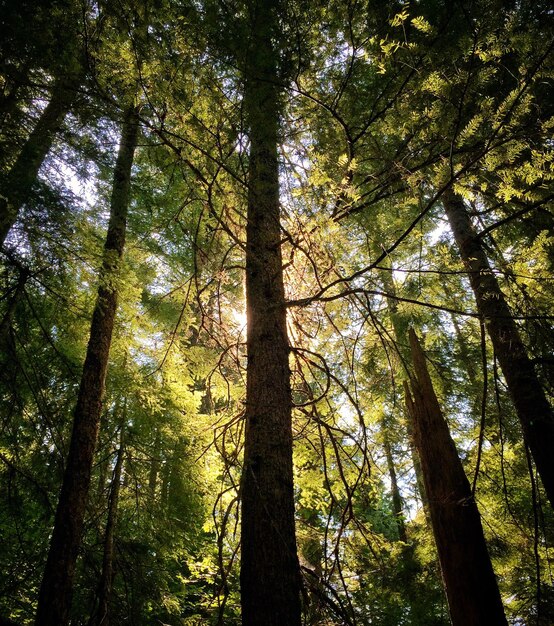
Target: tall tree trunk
x=10, y=95
x=106, y=578
x=397, y=504
x=532, y=406
x=17, y=185
x=473, y=596
x=154, y=469
x=164, y=488
x=8, y=349
x=468, y=363
x=465, y=353
x=7, y=317
x=270, y=572
x=399, y=327
x=14, y=92
x=55, y=593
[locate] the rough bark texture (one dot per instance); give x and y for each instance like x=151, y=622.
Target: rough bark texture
x=55, y=593
x=470, y=584
x=106, y=578
x=532, y=407
x=270, y=573
x=18, y=182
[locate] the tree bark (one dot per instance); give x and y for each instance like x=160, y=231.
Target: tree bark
x=106, y=579
x=55, y=593
x=18, y=183
x=397, y=504
x=154, y=468
x=470, y=584
x=399, y=327
x=532, y=406
x=270, y=573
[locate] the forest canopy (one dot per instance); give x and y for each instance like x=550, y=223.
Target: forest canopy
x=276, y=312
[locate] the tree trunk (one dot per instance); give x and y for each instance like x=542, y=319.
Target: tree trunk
x=470, y=584
x=464, y=350
x=154, y=469
x=55, y=593
x=399, y=327
x=397, y=504
x=105, y=587
x=468, y=363
x=14, y=93
x=270, y=572
x=18, y=182
x=11, y=93
x=164, y=488
x=531, y=404
x=7, y=318
x=8, y=349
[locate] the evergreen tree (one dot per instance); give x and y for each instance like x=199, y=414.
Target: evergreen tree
x=270, y=574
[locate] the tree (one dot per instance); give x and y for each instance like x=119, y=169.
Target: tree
x=55, y=595
x=532, y=406
x=469, y=580
x=106, y=578
x=270, y=574
x=308, y=150
x=53, y=44
x=18, y=182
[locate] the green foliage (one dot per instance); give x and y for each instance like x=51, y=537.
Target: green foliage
x=384, y=107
